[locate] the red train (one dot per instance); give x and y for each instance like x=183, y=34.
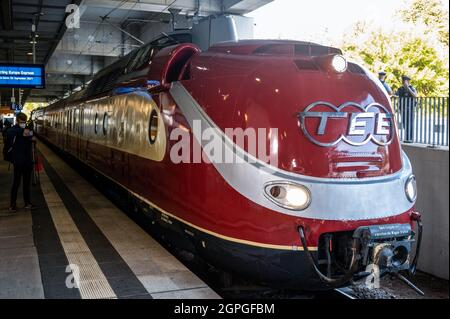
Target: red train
x=336, y=196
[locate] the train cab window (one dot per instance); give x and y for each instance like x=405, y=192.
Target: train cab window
x=96, y=123
x=105, y=123
x=132, y=56
x=145, y=57
x=142, y=56
x=134, y=63
x=153, y=127
x=170, y=39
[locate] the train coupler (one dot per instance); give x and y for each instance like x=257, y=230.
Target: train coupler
x=386, y=246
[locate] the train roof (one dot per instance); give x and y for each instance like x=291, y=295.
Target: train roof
x=137, y=62
x=273, y=47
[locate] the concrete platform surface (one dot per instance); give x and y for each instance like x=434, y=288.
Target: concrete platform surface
x=77, y=244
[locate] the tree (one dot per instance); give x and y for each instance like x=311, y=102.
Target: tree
x=432, y=14
x=416, y=54
x=30, y=106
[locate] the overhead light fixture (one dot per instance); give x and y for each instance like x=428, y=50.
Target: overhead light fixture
x=30, y=53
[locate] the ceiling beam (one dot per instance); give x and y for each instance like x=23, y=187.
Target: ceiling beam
x=212, y=6
x=33, y=5
x=243, y=6
x=7, y=23
x=23, y=34
x=31, y=19
x=6, y=10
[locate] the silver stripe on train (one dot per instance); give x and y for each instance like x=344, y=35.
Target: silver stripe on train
x=332, y=199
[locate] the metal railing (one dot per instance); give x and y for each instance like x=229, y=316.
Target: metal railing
x=422, y=120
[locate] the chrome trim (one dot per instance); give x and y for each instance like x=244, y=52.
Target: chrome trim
x=151, y=140
x=370, y=137
x=345, y=60
x=128, y=123
x=351, y=199
x=412, y=200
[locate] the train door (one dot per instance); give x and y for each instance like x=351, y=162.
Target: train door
x=68, y=129
x=80, y=139
x=64, y=130
x=87, y=115
x=60, y=128
x=73, y=137
x=57, y=127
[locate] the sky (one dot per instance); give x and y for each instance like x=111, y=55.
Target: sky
x=324, y=21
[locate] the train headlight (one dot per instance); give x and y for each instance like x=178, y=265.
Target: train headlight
x=411, y=189
x=288, y=195
x=339, y=63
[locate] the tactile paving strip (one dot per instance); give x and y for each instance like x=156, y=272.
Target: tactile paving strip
x=159, y=272
x=92, y=282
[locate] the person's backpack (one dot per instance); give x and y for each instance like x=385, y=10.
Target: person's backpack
x=8, y=150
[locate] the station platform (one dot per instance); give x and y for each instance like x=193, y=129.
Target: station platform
x=77, y=244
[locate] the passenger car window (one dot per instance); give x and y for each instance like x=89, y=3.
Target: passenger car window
x=105, y=123
x=96, y=123
x=153, y=127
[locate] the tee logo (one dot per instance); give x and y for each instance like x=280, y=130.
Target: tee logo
x=326, y=125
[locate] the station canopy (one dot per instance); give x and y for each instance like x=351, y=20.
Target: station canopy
x=73, y=50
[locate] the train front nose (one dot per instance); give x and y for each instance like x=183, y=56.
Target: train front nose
x=338, y=163
x=342, y=172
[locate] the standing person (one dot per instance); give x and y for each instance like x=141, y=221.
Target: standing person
x=1, y=124
x=407, y=102
x=382, y=78
x=19, y=138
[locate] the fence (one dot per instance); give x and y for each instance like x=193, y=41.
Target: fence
x=422, y=120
